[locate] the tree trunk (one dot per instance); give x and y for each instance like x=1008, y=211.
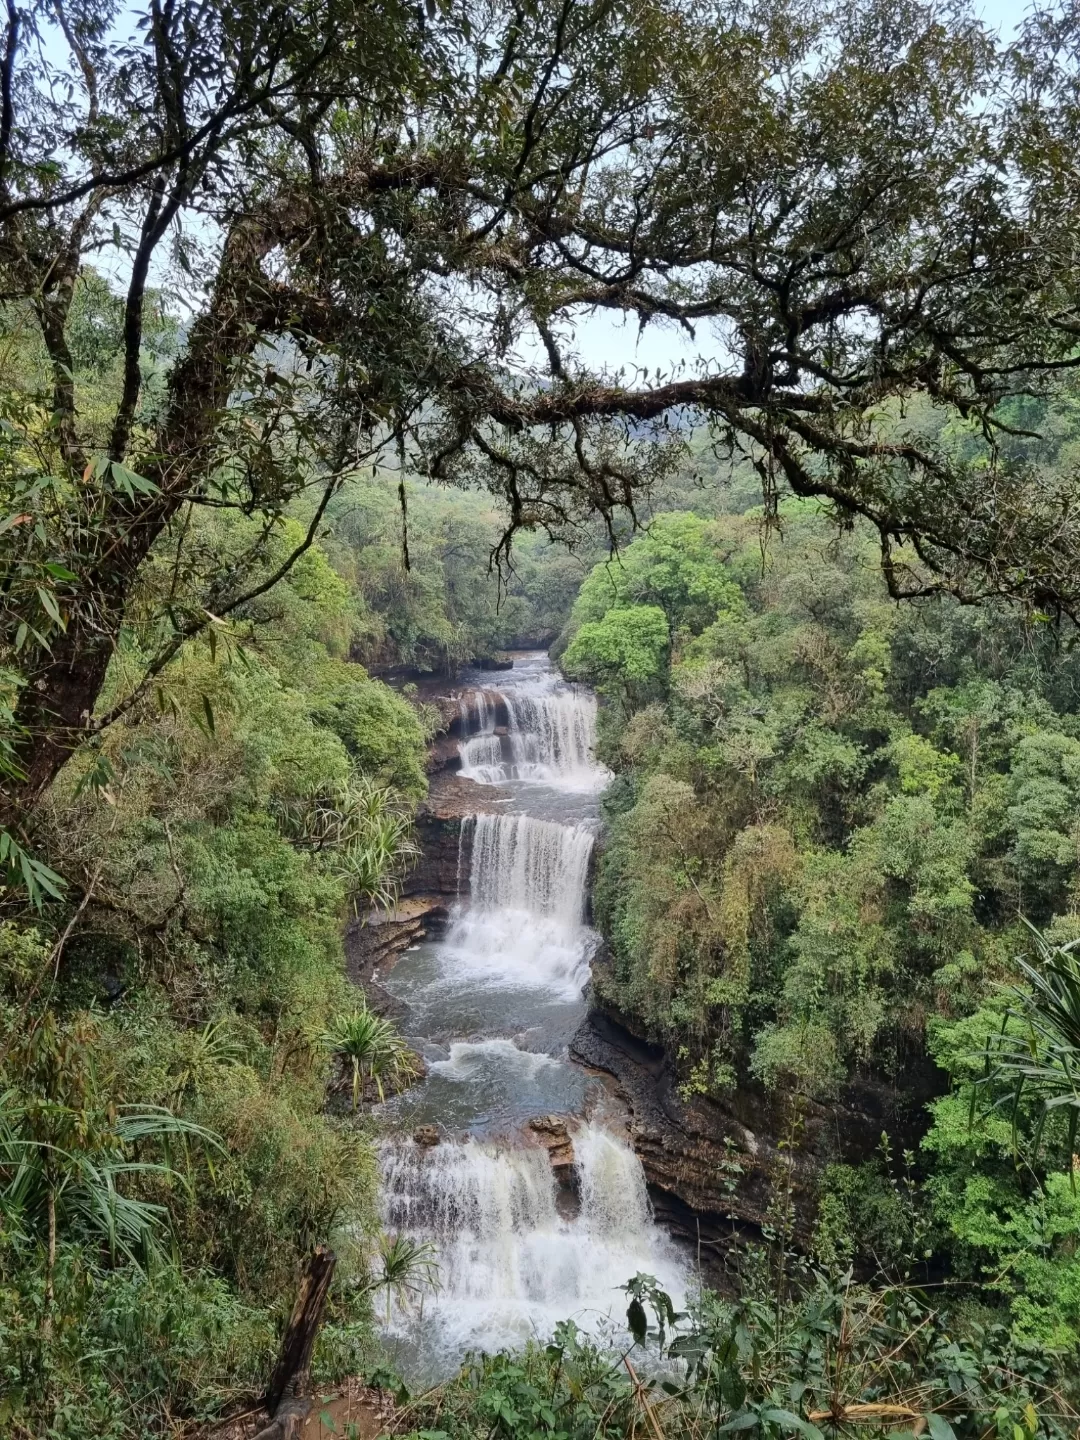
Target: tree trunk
x=288, y=1421
x=55, y=707
x=50, y=1268
x=286, y=1398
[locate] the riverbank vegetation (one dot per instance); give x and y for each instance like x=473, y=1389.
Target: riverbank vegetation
x=825, y=1356
x=166, y=1161
x=835, y=822
x=262, y=264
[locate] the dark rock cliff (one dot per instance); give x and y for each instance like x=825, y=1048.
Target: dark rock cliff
x=717, y=1166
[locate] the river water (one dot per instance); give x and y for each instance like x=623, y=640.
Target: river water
x=492, y=1007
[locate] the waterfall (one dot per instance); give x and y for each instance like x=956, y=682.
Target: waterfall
x=494, y=1004
x=549, y=735
x=482, y=759
x=524, y=923
x=481, y=750
x=521, y=863
x=510, y=1264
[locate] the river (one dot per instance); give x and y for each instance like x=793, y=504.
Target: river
x=526, y=1233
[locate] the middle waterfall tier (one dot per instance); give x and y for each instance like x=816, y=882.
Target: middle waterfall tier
x=524, y=922
x=522, y=863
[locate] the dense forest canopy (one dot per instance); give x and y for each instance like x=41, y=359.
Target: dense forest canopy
x=290, y=400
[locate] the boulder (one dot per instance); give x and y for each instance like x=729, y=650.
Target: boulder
x=552, y=1132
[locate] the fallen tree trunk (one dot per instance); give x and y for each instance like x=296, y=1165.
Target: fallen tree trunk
x=287, y=1398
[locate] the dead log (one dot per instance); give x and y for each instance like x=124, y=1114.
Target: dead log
x=287, y=1398
x=288, y=1421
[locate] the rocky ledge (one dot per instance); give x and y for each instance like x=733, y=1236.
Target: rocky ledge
x=716, y=1167
x=552, y=1132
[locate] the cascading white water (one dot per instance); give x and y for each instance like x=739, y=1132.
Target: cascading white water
x=549, y=735
x=521, y=863
x=511, y=1266
x=524, y=922
x=481, y=750
x=498, y=999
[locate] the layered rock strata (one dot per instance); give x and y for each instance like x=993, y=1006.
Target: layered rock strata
x=723, y=1168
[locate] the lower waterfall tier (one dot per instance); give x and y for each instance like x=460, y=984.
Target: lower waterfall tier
x=518, y=1247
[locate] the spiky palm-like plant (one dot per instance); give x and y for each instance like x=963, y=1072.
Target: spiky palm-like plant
x=69, y=1156
x=406, y=1268
x=365, y=834
x=1036, y=1054
x=372, y=1048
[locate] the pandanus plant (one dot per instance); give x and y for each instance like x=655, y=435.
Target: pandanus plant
x=1036, y=1054
x=70, y=1157
x=406, y=1269
x=363, y=831
x=371, y=1047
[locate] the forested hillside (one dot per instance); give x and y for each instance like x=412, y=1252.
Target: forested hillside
x=294, y=417
x=836, y=820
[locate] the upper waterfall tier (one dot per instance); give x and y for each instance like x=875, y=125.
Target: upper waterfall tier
x=549, y=735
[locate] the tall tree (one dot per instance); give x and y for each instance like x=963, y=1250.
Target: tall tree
x=368, y=211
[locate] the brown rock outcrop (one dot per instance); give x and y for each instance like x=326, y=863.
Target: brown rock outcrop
x=552, y=1132
x=723, y=1166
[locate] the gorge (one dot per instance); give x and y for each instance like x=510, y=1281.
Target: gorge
x=511, y=1158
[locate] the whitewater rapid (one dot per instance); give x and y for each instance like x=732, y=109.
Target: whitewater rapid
x=520, y=1244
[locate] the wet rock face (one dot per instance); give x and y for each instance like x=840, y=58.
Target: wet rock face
x=552, y=1132
x=437, y=871
x=717, y=1167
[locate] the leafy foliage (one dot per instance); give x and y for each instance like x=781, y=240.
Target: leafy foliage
x=835, y=1354
x=371, y=1048
x=167, y=1160
x=1040, y=1051
x=828, y=818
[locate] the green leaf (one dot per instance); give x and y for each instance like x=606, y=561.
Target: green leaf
x=748, y=1420
x=940, y=1429
x=22, y=868
x=790, y=1421
x=129, y=482
x=48, y=602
